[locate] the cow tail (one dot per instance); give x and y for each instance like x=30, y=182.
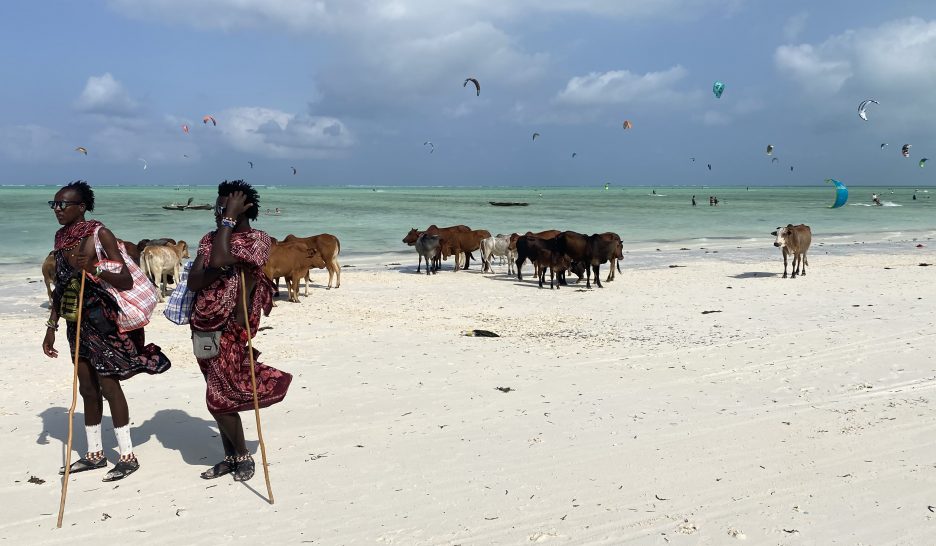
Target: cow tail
x=617, y=262
x=144, y=267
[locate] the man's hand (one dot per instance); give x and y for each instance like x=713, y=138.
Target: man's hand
x=47, y=343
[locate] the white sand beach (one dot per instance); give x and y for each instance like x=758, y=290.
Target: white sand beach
x=714, y=403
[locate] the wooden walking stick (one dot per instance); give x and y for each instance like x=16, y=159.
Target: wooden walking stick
x=71, y=410
x=253, y=384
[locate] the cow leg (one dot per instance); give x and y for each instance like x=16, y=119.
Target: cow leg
x=542, y=276
x=794, y=266
x=803, y=263
x=611, y=272
x=419, y=263
x=784, y=263
x=520, y=268
x=552, y=274
x=597, y=278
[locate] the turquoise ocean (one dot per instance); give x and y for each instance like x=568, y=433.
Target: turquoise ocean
x=371, y=221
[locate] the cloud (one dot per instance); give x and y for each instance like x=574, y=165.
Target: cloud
x=349, y=15
x=623, y=86
x=814, y=69
x=106, y=96
x=274, y=133
x=898, y=54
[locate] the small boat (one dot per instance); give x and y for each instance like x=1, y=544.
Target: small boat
x=206, y=206
x=508, y=204
x=188, y=206
x=174, y=206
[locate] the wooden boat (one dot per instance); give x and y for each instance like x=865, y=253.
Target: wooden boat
x=508, y=204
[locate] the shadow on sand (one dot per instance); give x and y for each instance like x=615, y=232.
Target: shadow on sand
x=194, y=438
x=753, y=274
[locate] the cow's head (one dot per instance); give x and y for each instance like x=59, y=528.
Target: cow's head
x=183, y=249
x=512, y=244
x=781, y=235
x=411, y=237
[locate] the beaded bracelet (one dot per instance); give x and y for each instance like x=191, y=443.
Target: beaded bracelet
x=228, y=222
x=51, y=325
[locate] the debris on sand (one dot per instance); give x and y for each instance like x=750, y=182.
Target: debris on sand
x=35, y=480
x=505, y=389
x=481, y=333
x=712, y=311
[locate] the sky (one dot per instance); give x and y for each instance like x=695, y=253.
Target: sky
x=348, y=92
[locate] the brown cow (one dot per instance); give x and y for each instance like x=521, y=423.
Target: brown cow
x=794, y=240
x=616, y=255
x=291, y=260
x=328, y=248
x=443, y=233
x=546, y=235
x=462, y=242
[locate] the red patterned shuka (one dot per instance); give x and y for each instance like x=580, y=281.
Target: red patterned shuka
x=227, y=375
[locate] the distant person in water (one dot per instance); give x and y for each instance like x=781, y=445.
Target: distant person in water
x=876, y=199
x=711, y=201
x=693, y=201
x=715, y=200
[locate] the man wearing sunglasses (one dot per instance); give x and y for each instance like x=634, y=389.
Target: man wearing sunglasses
x=105, y=354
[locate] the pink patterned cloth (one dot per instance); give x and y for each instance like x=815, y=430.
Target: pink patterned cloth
x=227, y=375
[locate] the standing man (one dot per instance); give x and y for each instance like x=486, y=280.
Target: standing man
x=693, y=201
x=218, y=321
x=106, y=356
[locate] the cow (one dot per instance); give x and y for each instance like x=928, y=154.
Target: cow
x=157, y=262
x=794, y=240
x=545, y=254
x=548, y=234
x=445, y=234
x=462, y=243
x=48, y=274
x=427, y=246
x=292, y=260
x=498, y=246
x=328, y=248
x=616, y=256
x=591, y=251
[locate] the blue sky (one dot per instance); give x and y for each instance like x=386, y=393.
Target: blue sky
x=348, y=91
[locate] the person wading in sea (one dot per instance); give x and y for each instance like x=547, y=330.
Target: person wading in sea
x=106, y=356
x=218, y=320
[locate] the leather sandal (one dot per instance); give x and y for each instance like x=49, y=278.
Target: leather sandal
x=245, y=469
x=121, y=470
x=220, y=469
x=83, y=465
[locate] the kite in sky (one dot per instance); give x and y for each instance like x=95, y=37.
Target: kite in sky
x=476, y=84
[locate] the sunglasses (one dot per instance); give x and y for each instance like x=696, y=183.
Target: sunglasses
x=62, y=205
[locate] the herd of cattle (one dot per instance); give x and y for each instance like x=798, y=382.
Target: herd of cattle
x=554, y=251
x=292, y=259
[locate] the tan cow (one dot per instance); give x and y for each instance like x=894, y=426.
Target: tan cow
x=292, y=260
x=48, y=274
x=158, y=262
x=794, y=240
x=328, y=248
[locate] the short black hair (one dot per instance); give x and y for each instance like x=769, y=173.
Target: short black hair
x=228, y=187
x=84, y=190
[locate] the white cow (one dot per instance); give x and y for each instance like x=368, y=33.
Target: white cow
x=499, y=245
x=157, y=262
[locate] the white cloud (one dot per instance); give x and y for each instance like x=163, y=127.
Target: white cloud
x=623, y=86
x=815, y=70
x=348, y=15
x=899, y=54
x=106, y=96
x=274, y=133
